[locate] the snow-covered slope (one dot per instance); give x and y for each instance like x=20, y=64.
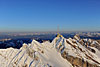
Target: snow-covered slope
x=33, y=55
x=61, y=52
x=76, y=53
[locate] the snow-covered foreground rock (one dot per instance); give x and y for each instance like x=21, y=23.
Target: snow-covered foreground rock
x=61, y=52
x=33, y=55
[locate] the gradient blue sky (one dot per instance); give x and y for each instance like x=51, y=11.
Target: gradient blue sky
x=46, y=15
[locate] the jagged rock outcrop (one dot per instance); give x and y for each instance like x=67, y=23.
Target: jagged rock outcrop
x=33, y=55
x=77, y=52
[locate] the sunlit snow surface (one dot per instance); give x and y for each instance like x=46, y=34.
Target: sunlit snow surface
x=33, y=55
x=47, y=54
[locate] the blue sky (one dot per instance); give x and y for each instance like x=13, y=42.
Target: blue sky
x=46, y=15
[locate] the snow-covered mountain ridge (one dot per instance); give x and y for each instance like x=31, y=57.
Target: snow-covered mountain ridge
x=61, y=52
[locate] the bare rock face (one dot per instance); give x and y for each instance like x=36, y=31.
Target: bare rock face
x=78, y=52
x=77, y=62
x=77, y=37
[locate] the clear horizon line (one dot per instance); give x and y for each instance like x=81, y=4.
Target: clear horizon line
x=41, y=31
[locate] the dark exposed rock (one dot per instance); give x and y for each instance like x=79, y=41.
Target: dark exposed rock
x=77, y=62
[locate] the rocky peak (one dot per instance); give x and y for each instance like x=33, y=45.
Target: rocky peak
x=77, y=37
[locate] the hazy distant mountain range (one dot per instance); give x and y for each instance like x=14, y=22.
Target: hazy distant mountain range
x=16, y=40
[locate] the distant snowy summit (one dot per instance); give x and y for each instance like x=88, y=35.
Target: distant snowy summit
x=61, y=52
